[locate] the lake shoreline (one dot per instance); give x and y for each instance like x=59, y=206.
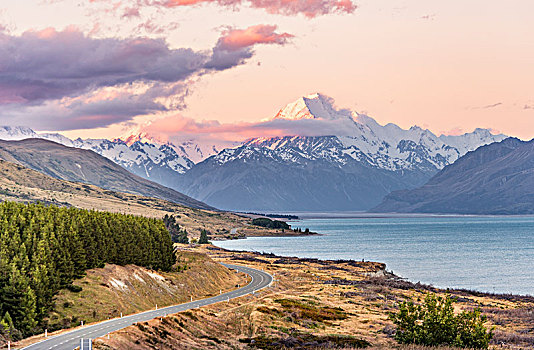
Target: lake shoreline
x=487, y=254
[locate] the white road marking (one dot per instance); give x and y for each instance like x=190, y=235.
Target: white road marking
x=256, y=283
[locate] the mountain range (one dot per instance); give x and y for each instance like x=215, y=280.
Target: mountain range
x=338, y=160
x=353, y=168
x=85, y=166
x=140, y=154
x=494, y=179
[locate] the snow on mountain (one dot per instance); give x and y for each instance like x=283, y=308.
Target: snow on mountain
x=58, y=138
x=11, y=133
x=141, y=154
x=197, y=151
x=364, y=140
x=338, y=154
x=314, y=106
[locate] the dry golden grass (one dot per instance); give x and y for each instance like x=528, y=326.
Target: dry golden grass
x=312, y=298
x=20, y=184
x=109, y=291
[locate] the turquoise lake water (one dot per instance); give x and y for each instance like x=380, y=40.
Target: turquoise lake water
x=493, y=254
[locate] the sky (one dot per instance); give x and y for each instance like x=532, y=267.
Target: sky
x=95, y=68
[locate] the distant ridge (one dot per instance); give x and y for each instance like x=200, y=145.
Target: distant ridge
x=494, y=179
x=86, y=166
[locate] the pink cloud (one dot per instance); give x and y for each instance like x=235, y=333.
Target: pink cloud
x=308, y=8
x=236, y=39
x=178, y=127
x=152, y=26
x=131, y=12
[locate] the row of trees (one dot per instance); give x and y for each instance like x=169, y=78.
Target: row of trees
x=43, y=249
x=266, y=222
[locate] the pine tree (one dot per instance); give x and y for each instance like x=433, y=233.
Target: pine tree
x=6, y=321
x=45, y=248
x=203, y=237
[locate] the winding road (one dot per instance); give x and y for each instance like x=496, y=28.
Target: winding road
x=71, y=340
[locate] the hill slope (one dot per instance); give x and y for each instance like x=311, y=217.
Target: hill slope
x=21, y=184
x=494, y=179
x=255, y=177
x=85, y=166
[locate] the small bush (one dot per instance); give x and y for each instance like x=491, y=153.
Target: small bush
x=305, y=310
x=434, y=323
x=74, y=288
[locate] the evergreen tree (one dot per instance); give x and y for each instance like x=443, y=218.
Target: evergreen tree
x=43, y=249
x=7, y=322
x=203, y=237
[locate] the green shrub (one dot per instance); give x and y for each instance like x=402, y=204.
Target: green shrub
x=203, y=237
x=434, y=323
x=74, y=288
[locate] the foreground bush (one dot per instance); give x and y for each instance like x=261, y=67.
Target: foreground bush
x=434, y=323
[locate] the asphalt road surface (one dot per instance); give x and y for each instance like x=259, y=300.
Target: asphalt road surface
x=71, y=340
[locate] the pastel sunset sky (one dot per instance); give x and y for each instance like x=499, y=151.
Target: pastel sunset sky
x=95, y=68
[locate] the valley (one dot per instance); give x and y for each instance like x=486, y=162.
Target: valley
x=266, y=174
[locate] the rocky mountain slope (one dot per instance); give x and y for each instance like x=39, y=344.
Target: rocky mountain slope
x=353, y=167
x=85, y=166
x=494, y=179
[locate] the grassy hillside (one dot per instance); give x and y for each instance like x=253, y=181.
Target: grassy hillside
x=86, y=166
x=317, y=304
x=106, y=292
x=21, y=184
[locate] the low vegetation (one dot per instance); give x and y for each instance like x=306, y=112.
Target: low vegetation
x=311, y=310
x=319, y=304
x=298, y=340
x=43, y=249
x=178, y=235
x=434, y=323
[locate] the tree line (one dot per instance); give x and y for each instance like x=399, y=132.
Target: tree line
x=44, y=248
x=268, y=223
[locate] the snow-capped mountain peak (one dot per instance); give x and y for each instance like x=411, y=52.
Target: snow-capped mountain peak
x=362, y=139
x=313, y=106
x=141, y=137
